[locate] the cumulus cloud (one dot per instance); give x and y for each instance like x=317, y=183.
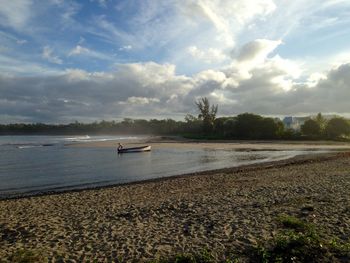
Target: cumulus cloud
x=131, y=90
x=151, y=89
x=255, y=57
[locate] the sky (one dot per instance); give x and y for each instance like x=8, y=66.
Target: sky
x=88, y=60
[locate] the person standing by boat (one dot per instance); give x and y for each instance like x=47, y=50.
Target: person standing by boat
x=120, y=146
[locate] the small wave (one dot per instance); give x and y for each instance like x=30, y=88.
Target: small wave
x=28, y=146
x=34, y=145
x=78, y=138
x=98, y=138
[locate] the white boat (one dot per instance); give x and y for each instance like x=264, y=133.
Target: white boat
x=146, y=148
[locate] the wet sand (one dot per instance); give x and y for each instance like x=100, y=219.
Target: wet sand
x=225, y=210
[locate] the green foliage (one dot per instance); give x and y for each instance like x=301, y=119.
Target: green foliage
x=203, y=257
x=207, y=113
x=337, y=127
x=248, y=126
x=321, y=121
x=294, y=223
x=230, y=128
x=27, y=256
x=127, y=126
x=311, y=128
x=270, y=129
x=300, y=242
x=290, y=134
x=342, y=249
x=252, y=126
x=206, y=126
x=193, y=125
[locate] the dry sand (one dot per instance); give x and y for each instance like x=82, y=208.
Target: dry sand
x=231, y=209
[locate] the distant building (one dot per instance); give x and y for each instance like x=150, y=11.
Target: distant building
x=294, y=123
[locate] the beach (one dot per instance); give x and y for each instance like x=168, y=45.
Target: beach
x=228, y=210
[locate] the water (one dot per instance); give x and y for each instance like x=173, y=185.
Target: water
x=33, y=164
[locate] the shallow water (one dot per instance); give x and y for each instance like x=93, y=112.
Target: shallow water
x=27, y=166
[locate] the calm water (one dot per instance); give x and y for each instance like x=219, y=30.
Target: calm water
x=27, y=167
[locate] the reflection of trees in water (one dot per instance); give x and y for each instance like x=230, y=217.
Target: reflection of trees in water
x=209, y=156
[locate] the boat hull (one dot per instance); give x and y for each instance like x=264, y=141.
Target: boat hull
x=135, y=149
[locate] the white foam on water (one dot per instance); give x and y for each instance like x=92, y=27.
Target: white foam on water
x=78, y=138
x=28, y=146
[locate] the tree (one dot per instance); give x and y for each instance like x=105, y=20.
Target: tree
x=190, y=118
x=193, y=124
x=230, y=127
x=248, y=126
x=337, y=127
x=311, y=128
x=207, y=114
x=219, y=126
x=321, y=121
x=269, y=128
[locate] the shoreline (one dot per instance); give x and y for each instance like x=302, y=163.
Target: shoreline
x=183, y=143
x=309, y=149
x=299, y=159
x=225, y=210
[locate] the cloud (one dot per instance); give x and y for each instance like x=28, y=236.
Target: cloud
x=21, y=41
x=15, y=13
x=256, y=55
x=257, y=50
x=210, y=55
x=86, y=52
x=109, y=32
x=227, y=17
x=78, y=50
x=21, y=66
x=288, y=57
x=155, y=90
x=9, y=39
x=69, y=10
x=125, y=48
x=139, y=100
x=49, y=56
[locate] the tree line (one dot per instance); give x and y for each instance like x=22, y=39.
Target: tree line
x=320, y=128
x=252, y=126
x=205, y=125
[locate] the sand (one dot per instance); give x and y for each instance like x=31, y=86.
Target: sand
x=226, y=210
